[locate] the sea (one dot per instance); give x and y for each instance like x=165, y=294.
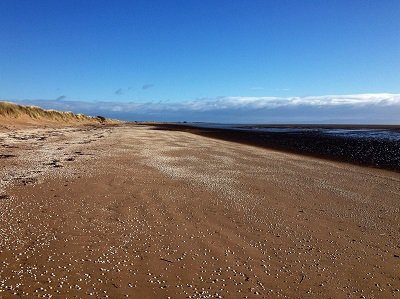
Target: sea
x=384, y=133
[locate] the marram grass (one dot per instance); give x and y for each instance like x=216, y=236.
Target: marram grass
x=12, y=110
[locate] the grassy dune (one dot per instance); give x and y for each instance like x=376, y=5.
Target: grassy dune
x=12, y=110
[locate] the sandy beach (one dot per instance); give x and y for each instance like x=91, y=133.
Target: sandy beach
x=115, y=211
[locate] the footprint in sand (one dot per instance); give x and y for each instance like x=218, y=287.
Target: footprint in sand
x=56, y=163
x=5, y=156
x=4, y=196
x=27, y=181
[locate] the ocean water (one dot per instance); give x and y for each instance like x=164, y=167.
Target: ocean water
x=384, y=134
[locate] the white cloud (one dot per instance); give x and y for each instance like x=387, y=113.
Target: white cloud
x=383, y=99
x=222, y=103
x=364, y=108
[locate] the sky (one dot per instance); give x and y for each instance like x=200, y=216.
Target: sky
x=162, y=60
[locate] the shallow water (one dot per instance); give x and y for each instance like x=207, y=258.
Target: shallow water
x=362, y=133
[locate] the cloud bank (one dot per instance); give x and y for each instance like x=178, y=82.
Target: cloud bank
x=380, y=108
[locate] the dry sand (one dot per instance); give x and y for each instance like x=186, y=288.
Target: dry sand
x=128, y=211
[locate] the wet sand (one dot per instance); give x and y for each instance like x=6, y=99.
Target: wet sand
x=130, y=211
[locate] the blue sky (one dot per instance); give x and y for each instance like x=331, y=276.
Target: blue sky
x=181, y=51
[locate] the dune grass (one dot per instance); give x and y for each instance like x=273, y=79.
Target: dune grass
x=12, y=110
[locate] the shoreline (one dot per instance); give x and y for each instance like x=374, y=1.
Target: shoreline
x=375, y=153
